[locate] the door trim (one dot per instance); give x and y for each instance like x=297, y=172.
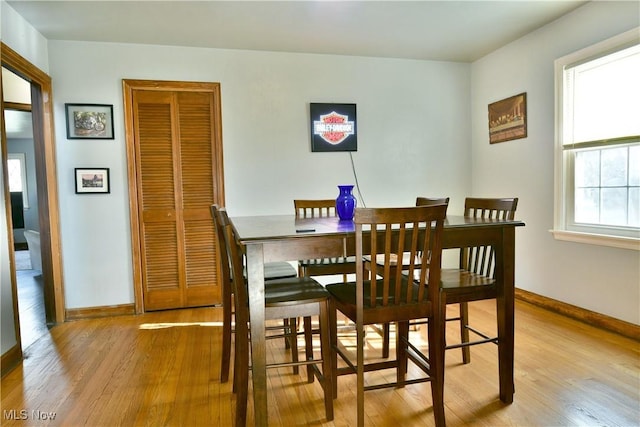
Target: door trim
x=49, y=215
x=128, y=88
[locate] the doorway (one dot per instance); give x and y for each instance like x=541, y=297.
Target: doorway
x=46, y=199
x=24, y=207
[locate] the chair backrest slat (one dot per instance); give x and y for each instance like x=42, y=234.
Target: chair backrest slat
x=315, y=208
x=428, y=201
x=490, y=208
x=391, y=233
x=480, y=260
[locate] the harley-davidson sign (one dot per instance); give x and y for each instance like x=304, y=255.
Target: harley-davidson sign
x=333, y=127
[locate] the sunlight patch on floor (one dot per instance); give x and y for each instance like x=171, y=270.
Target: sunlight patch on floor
x=178, y=324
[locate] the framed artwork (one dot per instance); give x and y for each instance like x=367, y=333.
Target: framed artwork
x=333, y=127
x=89, y=121
x=91, y=181
x=508, y=119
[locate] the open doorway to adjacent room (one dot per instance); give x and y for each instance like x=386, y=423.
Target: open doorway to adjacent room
x=22, y=183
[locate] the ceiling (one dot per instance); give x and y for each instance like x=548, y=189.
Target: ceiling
x=429, y=30
x=461, y=31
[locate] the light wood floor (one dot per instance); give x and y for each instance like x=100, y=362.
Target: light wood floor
x=161, y=369
x=33, y=323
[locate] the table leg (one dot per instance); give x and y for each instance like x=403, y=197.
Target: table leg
x=506, y=315
x=255, y=274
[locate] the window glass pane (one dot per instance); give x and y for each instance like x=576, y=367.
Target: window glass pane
x=614, y=167
x=14, y=167
x=606, y=91
x=634, y=165
x=588, y=168
x=587, y=205
x=634, y=207
x=613, y=206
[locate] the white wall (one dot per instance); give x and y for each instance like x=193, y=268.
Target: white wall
x=413, y=122
x=605, y=280
x=20, y=36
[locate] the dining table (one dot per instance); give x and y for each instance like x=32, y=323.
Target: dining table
x=270, y=238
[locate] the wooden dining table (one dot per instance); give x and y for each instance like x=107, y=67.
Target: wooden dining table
x=285, y=238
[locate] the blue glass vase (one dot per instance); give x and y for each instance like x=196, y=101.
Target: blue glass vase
x=345, y=203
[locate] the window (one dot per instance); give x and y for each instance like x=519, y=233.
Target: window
x=598, y=144
x=17, y=176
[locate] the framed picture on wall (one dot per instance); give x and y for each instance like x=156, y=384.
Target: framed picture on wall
x=333, y=127
x=508, y=119
x=92, y=180
x=89, y=121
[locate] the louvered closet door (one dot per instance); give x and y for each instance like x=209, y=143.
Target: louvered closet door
x=175, y=180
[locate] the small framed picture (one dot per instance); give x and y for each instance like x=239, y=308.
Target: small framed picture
x=92, y=180
x=508, y=119
x=89, y=121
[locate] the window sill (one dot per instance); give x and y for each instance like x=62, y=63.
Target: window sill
x=597, y=239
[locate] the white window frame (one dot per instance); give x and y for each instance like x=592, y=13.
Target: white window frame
x=563, y=173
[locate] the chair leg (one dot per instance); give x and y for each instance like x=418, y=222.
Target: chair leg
x=226, y=344
x=325, y=353
x=436, y=367
x=402, y=338
x=293, y=342
x=241, y=372
x=308, y=346
x=464, y=331
x=235, y=370
x=227, y=316
x=287, y=329
x=333, y=331
x=360, y=373
x=385, y=340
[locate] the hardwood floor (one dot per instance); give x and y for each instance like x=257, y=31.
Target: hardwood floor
x=33, y=322
x=162, y=368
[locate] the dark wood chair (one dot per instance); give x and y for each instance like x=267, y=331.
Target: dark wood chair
x=272, y=271
x=384, y=330
x=475, y=278
x=321, y=208
x=395, y=232
x=322, y=266
x=284, y=298
x=393, y=261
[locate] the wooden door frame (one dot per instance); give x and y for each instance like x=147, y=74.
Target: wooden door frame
x=46, y=177
x=128, y=88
